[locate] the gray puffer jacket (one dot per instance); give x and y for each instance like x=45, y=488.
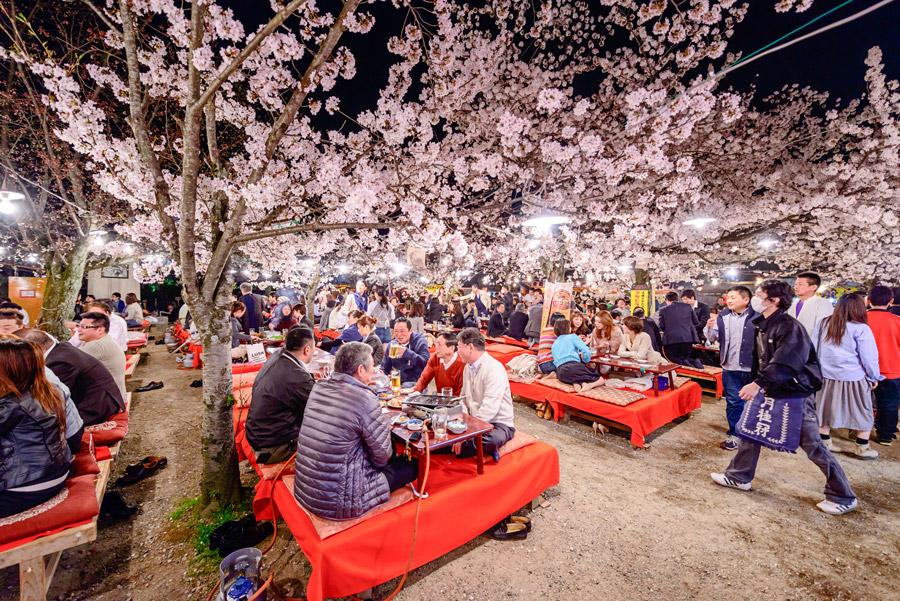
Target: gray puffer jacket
x=344, y=439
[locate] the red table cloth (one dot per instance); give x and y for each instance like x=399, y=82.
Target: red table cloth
x=642, y=417
x=460, y=506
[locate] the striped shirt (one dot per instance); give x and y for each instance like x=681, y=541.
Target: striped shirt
x=545, y=346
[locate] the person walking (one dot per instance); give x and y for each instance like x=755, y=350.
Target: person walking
x=886, y=330
x=788, y=369
x=849, y=359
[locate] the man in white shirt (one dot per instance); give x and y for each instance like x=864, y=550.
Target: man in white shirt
x=808, y=308
x=118, y=329
x=487, y=395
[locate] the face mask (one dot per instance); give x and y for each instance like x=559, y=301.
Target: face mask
x=757, y=304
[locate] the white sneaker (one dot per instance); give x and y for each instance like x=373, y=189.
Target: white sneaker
x=829, y=444
x=832, y=508
x=864, y=451
x=723, y=480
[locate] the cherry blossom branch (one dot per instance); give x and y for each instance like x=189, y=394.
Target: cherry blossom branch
x=318, y=227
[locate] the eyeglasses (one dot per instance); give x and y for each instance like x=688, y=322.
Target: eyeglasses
x=84, y=327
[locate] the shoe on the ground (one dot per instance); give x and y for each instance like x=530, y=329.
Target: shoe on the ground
x=829, y=444
x=730, y=443
x=508, y=531
x=882, y=441
x=149, y=387
x=832, y=508
x=864, y=451
x=520, y=519
x=723, y=480
x=197, y=384
x=115, y=506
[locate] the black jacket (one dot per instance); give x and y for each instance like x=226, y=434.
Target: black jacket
x=785, y=360
x=93, y=389
x=678, y=323
x=653, y=331
x=517, y=324
x=702, y=313
x=496, y=325
x=434, y=312
x=280, y=391
x=459, y=321
x=31, y=447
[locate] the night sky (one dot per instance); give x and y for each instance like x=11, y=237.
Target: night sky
x=832, y=61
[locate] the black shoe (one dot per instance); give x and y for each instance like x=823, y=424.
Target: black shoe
x=115, y=506
x=197, y=384
x=149, y=387
x=158, y=342
x=239, y=534
x=507, y=531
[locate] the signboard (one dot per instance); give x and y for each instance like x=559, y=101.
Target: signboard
x=640, y=297
x=29, y=293
x=256, y=353
x=557, y=299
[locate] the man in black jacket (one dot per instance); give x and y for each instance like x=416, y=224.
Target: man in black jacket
x=786, y=366
x=678, y=323
x=280, y=391
x=497, y=324
x=93, y=389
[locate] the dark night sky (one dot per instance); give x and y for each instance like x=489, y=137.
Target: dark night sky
x=832, y=61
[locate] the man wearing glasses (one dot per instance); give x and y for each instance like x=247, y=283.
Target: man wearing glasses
x=93, y=331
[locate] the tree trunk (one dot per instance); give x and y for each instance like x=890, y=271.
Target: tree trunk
x=63, y=284
x=220, y=480
x=311, y=294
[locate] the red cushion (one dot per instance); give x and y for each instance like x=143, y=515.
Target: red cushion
x=102, y=454
x=109, y=432
x=244, y=368
x=75, y=504
x=83, y=463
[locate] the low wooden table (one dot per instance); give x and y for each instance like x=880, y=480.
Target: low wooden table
x=476, y=427
x=626, y=364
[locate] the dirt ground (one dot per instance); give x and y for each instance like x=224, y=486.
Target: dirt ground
x=623, y=523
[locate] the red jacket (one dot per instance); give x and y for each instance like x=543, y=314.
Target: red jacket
x=886, y=328
x=451, y=377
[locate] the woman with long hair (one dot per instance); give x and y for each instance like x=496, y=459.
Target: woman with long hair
x=417, y=317
x=580, y=325
x=457, y=315
x=383, y=313
x=282, y=318
x=33, y=444
x=849, y=360
x=607, y=336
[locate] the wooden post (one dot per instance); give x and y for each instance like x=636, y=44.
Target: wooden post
x=32, y=580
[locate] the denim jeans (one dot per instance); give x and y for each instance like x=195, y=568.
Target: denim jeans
x=384, y=334
x=547, y=367
x=732, y=382
x=837, y=489
x=887, y=399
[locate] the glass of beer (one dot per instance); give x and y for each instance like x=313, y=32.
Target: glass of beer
x=395, y=382
x=397, y=351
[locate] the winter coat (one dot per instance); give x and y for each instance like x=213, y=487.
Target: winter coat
x=344, y=440
x=787, y=365
x=31, y=447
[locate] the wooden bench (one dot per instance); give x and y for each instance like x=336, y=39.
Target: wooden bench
x=39, y=558
x=709, y=378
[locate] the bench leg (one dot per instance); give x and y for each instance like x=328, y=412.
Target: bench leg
x=32, y=580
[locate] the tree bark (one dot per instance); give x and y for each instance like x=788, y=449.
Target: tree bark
x=311, y=293
x=220, y=479
x=63, y=283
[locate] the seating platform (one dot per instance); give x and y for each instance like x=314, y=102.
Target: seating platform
x=642, y=417
x=131, y=363
x=135, y=341
x=374, y=549
x=504, y=353
x=709, y=378
x=35, y=539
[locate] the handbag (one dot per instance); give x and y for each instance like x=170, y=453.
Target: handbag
x=774, y=423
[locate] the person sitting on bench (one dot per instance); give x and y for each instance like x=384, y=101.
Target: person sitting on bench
x=280, y=393
x=92, y=387
x=33, y=445
x=344, y=462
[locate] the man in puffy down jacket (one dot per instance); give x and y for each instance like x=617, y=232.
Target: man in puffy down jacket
x=344, y=462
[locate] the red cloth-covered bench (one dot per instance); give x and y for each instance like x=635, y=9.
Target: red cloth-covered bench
x=36, y=538
x=460, y=506
x=642, y=417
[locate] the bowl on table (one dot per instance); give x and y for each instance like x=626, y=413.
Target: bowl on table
x=414, y=424
x=400, y=420
x=457, y=426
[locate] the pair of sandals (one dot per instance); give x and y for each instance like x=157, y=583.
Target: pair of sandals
x=239, y=534
x=514, y=527
x=141, y=470
x=544, y=410
x=149, y=387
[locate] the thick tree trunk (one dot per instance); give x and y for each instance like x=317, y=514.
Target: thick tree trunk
x=220, y=480
x=63, y=284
